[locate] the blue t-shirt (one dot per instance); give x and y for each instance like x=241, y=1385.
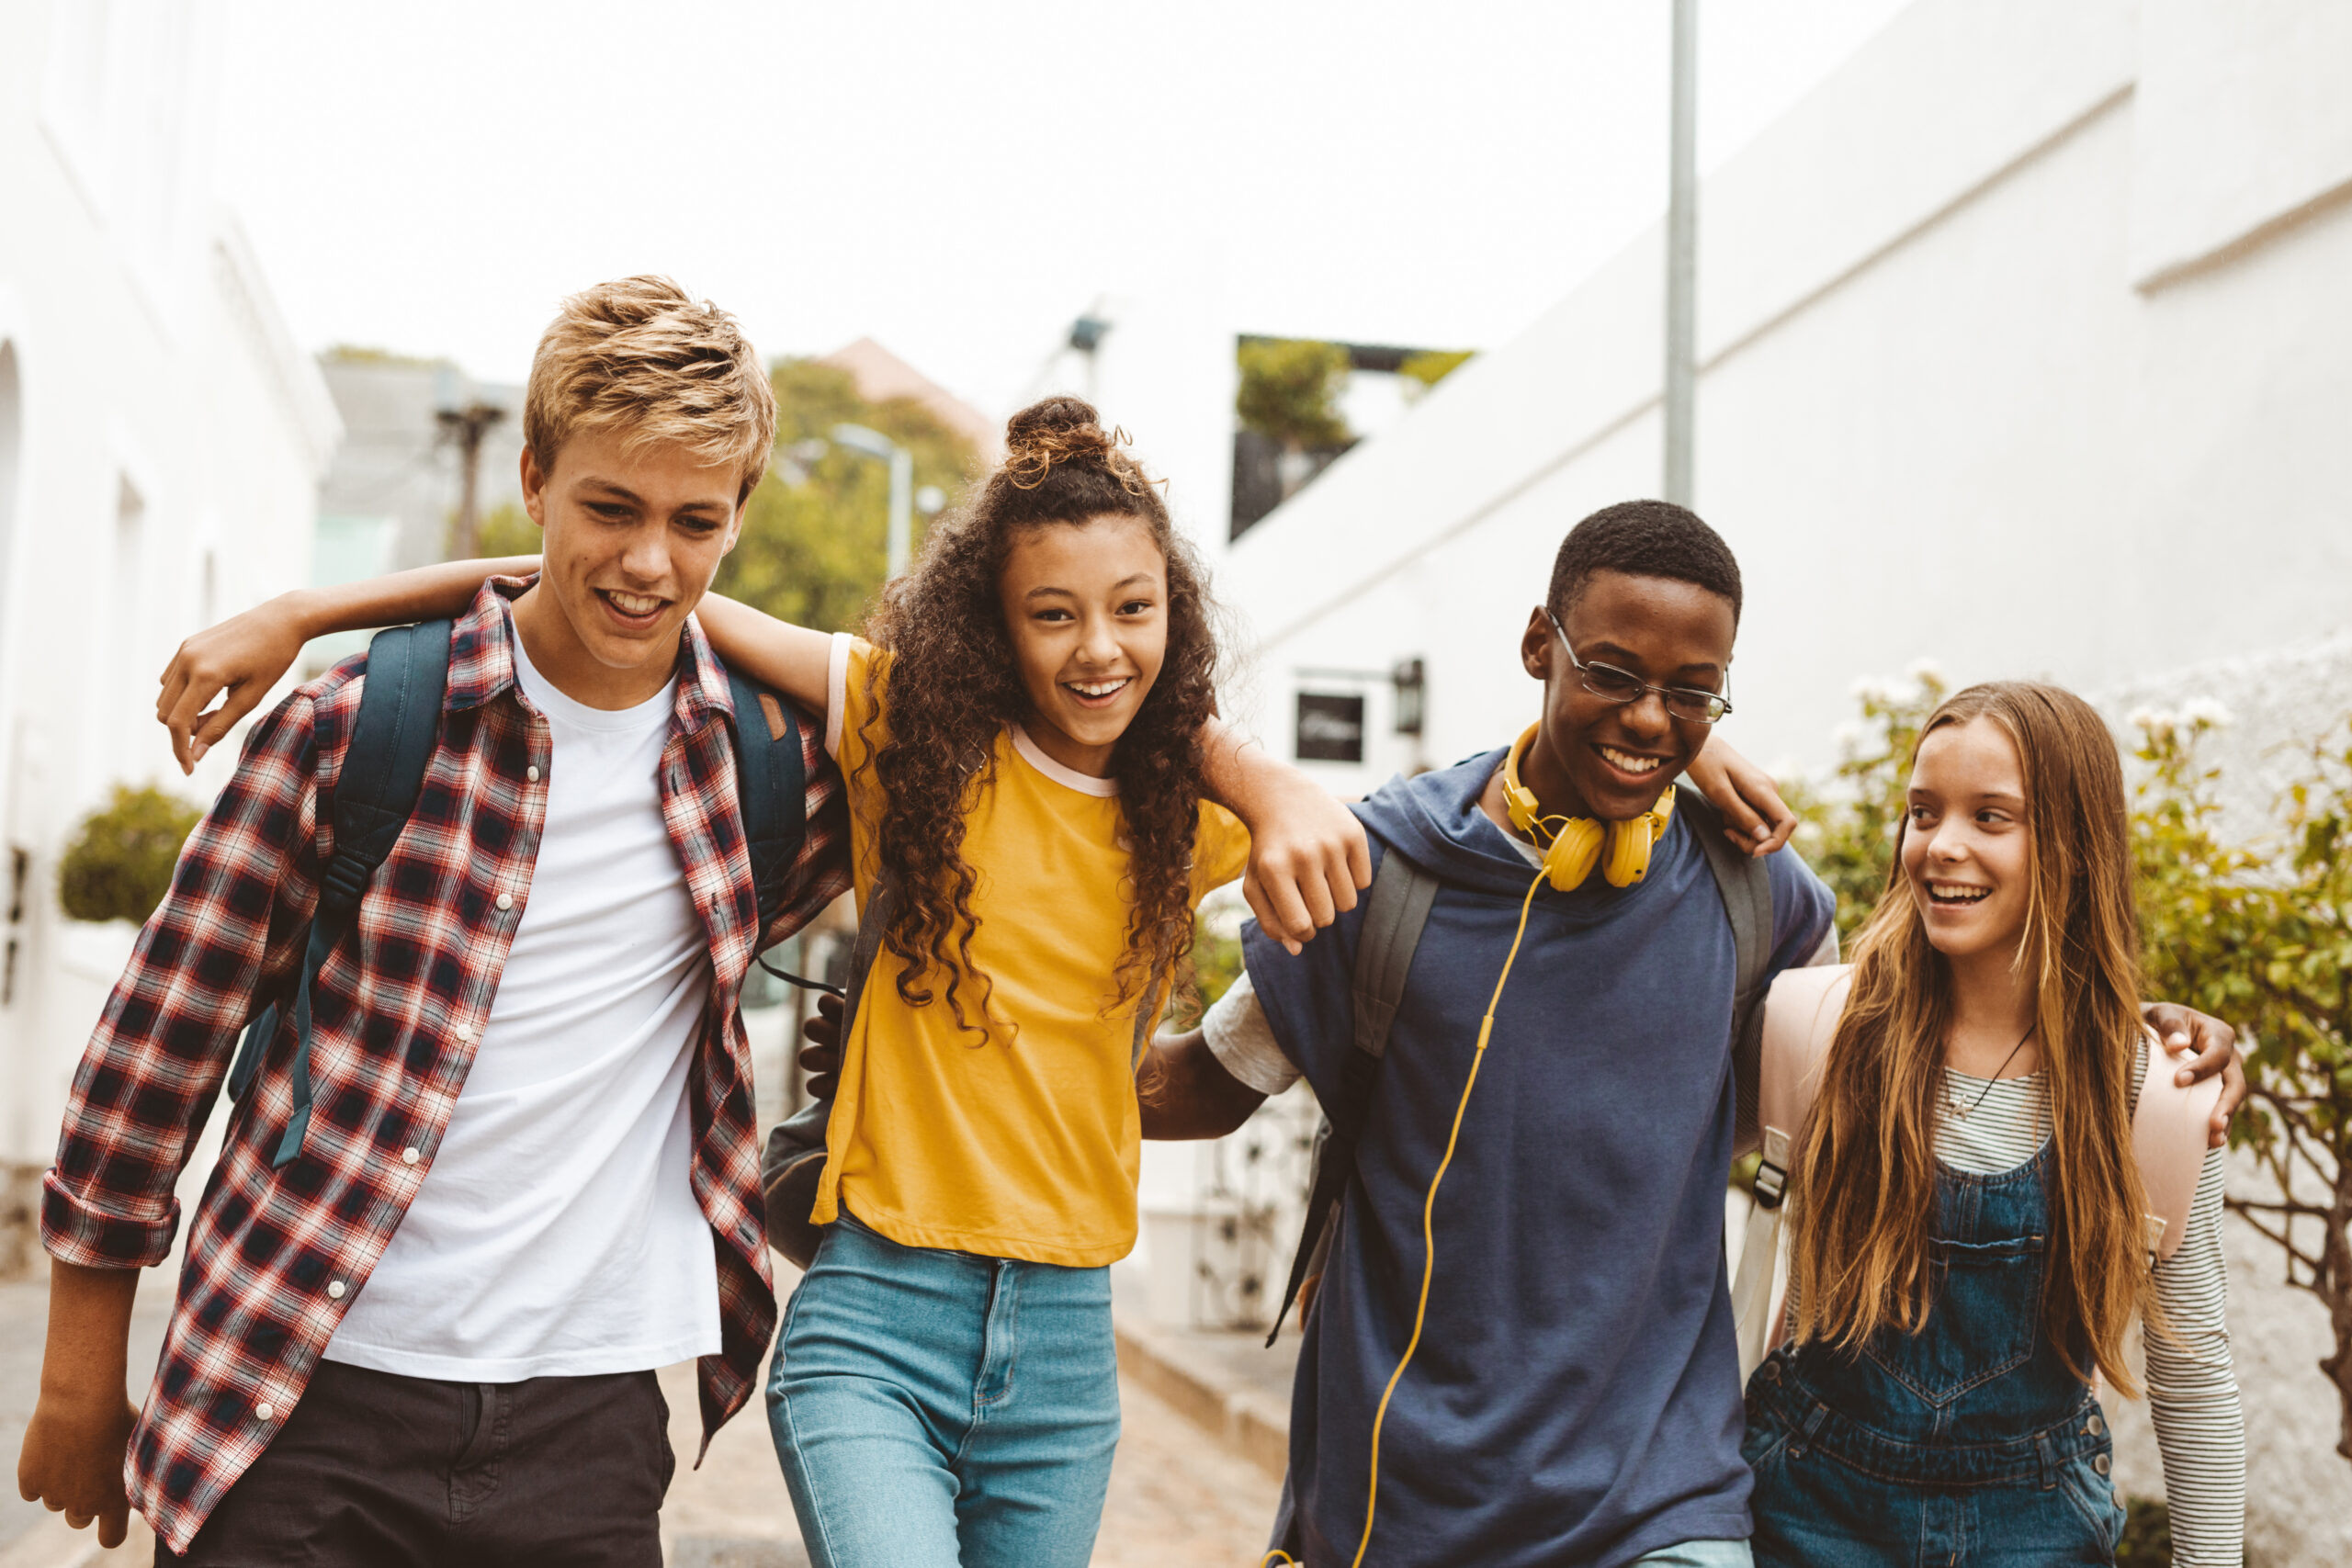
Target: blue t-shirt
x=1575, y=1395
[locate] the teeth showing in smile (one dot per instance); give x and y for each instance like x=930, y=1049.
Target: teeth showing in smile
x=1957, y=893
x=1628, y=761
x=1095, y=688
x=632, y=603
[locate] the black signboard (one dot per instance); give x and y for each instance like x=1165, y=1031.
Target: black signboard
x=1330, y=727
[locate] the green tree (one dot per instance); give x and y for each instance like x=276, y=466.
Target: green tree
x=504, y=530
x=120, y=864
x=1290, y=389
x=815, y=537
x=1432, y=366
x=2261, y=934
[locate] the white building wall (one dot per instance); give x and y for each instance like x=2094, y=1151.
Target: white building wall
x=2025, y=345
x=168, y=448
x=1955, y=400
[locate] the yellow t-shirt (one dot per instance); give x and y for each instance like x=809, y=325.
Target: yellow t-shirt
x=1022, y=1148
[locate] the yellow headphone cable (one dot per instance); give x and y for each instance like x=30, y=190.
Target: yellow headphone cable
x=1629, y=863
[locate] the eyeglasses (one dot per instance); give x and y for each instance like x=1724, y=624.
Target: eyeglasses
x=1612, y=684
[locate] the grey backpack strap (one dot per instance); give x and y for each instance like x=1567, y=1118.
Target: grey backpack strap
x=1745, y=883
x=795, y=1156
x=1399, y=907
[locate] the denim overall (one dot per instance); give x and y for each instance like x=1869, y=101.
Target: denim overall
x=1966, y=1445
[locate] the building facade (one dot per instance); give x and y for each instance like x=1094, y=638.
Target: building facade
x=2024, y=345
x=161, y=445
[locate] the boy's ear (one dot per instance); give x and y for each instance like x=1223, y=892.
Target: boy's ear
x=535, y=485
x=1535, y=644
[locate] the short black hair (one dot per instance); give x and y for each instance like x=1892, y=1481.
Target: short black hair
x=1643, y=539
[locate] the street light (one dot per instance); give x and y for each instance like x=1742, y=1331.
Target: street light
x=873, y=444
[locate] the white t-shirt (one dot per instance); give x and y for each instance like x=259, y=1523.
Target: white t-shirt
x=556, y=1234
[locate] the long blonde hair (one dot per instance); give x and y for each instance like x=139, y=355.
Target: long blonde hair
x=1865, y=1197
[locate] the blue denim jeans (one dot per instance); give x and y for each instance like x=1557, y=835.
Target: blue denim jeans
x=943, y=1410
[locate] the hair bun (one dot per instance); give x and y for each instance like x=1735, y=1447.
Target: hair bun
x=1054, y=430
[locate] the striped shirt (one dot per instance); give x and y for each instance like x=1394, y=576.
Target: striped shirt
x=2192, y=1391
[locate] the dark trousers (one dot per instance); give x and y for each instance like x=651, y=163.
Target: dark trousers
x=414, y=1473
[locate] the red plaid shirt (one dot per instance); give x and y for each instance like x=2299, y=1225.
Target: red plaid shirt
x=273, y=1255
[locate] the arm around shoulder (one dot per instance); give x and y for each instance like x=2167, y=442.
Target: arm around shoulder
x=793, y=660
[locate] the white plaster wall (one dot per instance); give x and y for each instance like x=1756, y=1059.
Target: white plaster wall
x=152, y=356
x=1936, y=414
x=2243, y=122
x=2025, y=345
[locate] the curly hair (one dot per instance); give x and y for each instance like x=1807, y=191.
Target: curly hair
x=954, y=685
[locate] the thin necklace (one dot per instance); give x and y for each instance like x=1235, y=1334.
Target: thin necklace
x=1978, y=1104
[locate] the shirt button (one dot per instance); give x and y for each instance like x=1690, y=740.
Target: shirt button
x=334, y=1290
x=2094, y=1426
x=532, y=773
x=267, y=1412
x=506, y=900
x=2102, y=1464
x=409, y=1156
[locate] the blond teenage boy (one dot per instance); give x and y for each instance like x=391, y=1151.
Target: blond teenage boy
x=529, y=1173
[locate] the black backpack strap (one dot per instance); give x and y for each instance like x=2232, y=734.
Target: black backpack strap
x=771, y=785
x=1398, y=908
x=383, y=774
x=1745, y=883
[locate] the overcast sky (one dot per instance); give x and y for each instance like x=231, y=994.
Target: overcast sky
x=959, y=179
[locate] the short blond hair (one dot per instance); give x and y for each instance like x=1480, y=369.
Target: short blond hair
x=643, y=357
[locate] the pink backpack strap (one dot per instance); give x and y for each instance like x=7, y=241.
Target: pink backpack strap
x=1800, y=1016
x=2168, y=1139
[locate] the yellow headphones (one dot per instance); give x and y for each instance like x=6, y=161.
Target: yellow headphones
x=1576, y=843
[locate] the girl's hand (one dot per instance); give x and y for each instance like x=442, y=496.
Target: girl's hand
x=2216, y=1046
x=238, y=662
x=1755, y=817
x=1307, y=857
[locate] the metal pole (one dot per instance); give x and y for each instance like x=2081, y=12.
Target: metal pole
x=902, y=508
x=1682, y=257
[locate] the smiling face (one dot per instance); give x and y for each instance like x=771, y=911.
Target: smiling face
x=633, y=539
x=1966, y=851
x=1086, y=610
x=1595, y=758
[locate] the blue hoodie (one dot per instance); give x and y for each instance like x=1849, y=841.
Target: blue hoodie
x=1575, y=1395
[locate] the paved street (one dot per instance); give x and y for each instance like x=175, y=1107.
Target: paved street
x=1177, y=1499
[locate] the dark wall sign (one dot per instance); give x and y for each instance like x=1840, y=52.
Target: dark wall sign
x=1330, y=727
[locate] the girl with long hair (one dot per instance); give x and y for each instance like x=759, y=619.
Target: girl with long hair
x=1969, y=1243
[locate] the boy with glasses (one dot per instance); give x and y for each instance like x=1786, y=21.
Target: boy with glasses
x=1572, y=1392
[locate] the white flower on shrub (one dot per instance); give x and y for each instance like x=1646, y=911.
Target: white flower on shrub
x=2204, y=713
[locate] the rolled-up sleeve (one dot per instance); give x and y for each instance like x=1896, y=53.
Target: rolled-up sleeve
x=1239, y=1036
x=241, y=897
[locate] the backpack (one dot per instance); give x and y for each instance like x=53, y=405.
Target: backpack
x=794, y=1158
x=392, y=742
x=1397, y=908
x=1800, y=1019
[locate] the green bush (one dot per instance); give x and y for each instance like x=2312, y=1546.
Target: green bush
x=120, y=865
x=2147, y=1535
